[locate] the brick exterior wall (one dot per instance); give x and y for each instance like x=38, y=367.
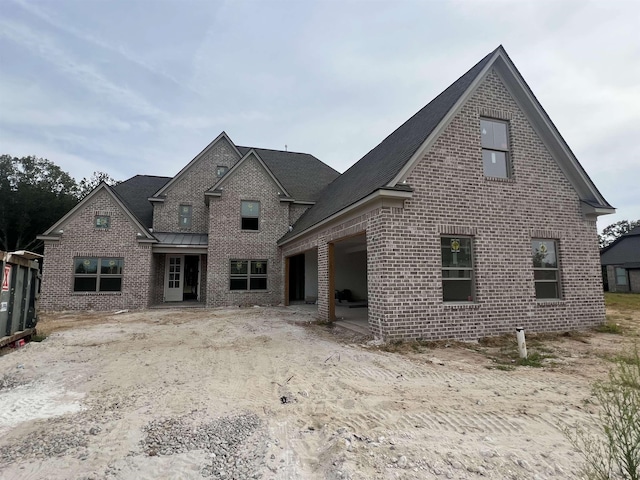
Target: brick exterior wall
x=452, y=197
x=633, y=280
x=295, y=212
x=228, y=241
x=189, y=190
x=81, y=239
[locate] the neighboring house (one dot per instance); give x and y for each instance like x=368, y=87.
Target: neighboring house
x=471, y=219
x=621, y=260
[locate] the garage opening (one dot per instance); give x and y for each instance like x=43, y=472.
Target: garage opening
x=350, y=281
x=303, y=278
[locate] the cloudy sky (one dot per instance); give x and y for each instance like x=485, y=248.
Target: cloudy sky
x=141, y=86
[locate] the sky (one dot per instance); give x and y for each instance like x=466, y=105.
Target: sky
x=142, y=86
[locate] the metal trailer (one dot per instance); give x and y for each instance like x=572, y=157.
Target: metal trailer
x=20, y=274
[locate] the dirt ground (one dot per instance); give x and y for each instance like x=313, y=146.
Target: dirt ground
x=331, y=404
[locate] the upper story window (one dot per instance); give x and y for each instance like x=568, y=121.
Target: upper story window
x=546, y=272
x=250, y=212
x=495, y=148
x=221, y=170
x=185, y=216
x=97, y=274
x=457, y=269
x=102, y=221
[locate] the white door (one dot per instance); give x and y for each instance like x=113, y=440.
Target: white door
x=173, y=278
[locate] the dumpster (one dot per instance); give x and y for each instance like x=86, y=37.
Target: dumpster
x=20, y=274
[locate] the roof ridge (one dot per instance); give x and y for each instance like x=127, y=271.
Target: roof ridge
x=276, y=150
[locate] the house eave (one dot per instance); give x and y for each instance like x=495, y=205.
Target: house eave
x=595, y=211
x=384, y=197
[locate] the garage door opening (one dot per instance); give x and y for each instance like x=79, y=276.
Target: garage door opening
x=349, y=281
x=302, y=278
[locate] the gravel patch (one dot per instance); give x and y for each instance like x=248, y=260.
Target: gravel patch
x=236, y=444
x=8, y=381
x=44, y=444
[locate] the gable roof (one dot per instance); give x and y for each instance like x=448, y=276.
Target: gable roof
x=53, y=234
x=135, y=192
x=378, y=167
x=302, y=175
x=624, y=249
x=220, y=137
x=390, y=162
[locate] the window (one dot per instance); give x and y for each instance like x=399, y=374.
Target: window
x=97, y=275
x=250, y=212
x=248, y=275
x=545, y=268
x=621, y=276
x=185, y=216
x=495, y=148
x=457, y=269
x=221, y=170
x=102, y=221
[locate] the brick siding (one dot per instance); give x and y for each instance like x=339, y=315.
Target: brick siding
x=81, y=239
x=189, y=190
x=452, y=197
x=228, y=241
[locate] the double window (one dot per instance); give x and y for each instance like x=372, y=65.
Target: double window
x=495, y=148
x=546, y=271
x=185, y=216
x=457, y=269
x=97, y=274
x=250, y=213
x=248, y=275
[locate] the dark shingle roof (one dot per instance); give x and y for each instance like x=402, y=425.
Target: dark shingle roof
x=135, y=192
x=625, y=249
x=378, y=167
x=301, y=174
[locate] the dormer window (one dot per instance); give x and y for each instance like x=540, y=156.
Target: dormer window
x=221, y=170
x=185, y=216
x=250, y=213
x=495, y=148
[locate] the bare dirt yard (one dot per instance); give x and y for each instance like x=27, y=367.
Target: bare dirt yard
x=267, y=393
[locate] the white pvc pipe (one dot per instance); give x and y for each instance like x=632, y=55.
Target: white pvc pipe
x=522, y=344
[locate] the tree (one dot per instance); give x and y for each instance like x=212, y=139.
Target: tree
x=34, y=193
x=86, y=185
x=615, y=230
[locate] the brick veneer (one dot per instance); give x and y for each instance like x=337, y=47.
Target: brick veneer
x=452, y=197
x=228, y=241
x=189, y=190
x=81, y=239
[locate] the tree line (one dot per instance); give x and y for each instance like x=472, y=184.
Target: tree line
x=34, y=194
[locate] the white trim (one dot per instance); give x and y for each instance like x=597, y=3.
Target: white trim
x=103, y=186
x=223, y=135
x=180, y=249
x=540, y=121
x=397, y=198
x=233, y=169
x=431, y=139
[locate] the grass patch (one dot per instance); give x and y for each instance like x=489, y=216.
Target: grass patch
x=610, y=327
x=38, y=337
x=533, y=360
x=623, y=301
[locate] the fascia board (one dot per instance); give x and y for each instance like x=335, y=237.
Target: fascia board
x=85, y=200
x=237, y=166
x=382, y=196
x=547, y=131
x=431, y=139
x=223, y=135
